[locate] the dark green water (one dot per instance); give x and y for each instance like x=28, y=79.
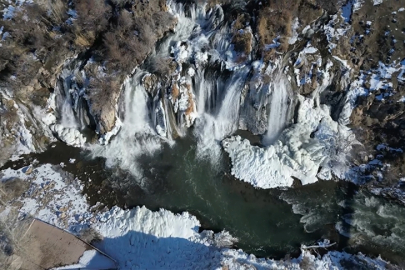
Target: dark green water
x=262, y=220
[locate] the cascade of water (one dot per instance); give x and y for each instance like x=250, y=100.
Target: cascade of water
x=68, y=118
x=65, y=103
x=137, y=135
x=71, y=107
x=279, y=108
x=212, y=128
x=213, y=92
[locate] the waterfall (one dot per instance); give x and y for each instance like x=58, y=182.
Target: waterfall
x=68, y=118
x=279, y=108
x=137, y=135
x=207, y=98
x=71, y=109
x=212, y=127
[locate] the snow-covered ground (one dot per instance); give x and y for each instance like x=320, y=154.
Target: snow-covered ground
x=143, y=239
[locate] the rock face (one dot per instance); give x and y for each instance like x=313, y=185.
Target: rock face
x=149, y=21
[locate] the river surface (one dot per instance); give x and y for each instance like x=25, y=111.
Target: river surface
x=268, y=223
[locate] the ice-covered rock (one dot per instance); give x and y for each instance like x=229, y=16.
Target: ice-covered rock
x=70, y=136
x=314, y=141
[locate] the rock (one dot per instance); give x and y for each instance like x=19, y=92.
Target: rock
x=150, y=82
x=29, y=170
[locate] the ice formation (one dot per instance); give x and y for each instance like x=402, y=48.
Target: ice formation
x=314, y=141
x=71, y=136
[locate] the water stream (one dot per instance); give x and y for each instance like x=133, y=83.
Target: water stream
x=279, y=108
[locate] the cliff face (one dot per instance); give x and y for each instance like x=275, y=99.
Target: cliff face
x=63, y=69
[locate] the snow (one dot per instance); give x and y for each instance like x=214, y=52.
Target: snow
x=91, y=259
x=377, y=2
x=309, y=49
x=334, y=30
x=294, y=27
x=157, y=240
x=23, y=138
x=347, y=10
x=8, y=12
x=315, y=141
x=48, y=194
x=302, y=61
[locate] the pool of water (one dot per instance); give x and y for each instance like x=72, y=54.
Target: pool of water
x=268, y=223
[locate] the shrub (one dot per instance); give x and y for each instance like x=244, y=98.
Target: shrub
x=275, y=23
x=92, y=15
x=57, y=11
x=12, y=189
x=92, y=18
x=90, y=235
x=162, y=66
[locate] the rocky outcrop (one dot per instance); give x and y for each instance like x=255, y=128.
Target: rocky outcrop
x=126, y=50
x=32, y=59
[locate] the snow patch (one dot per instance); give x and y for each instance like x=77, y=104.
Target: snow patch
x=50, y=197
x=294, y=27
x=91, y=259
x=377, y=2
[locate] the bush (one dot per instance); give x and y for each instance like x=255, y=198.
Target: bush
x=275, y=20
x=92, y=18
x=275, y=23
x=128, y=43
x=92, y=15
x=90, y=235
x=12, y=189
x=162, y=66
x=58, y=11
